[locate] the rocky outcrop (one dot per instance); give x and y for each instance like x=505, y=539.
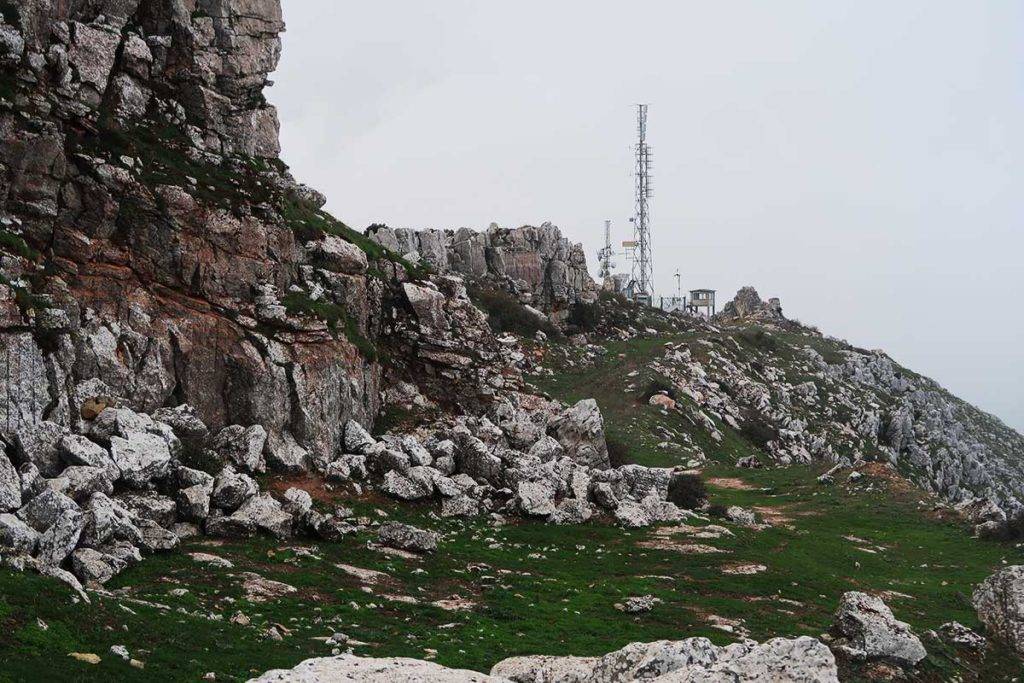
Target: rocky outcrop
x=999, y=601
x=537, y=264
x=851, y=406
x=748, y=304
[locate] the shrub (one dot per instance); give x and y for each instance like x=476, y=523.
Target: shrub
x=687, y=491
x=585, y=317
x=618, y=452
x=506, y=314
x=658, y=386
x=717, y=510
x=758, y=339
x=757, y=430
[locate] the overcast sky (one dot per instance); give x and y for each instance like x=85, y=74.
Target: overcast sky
x=864, y=161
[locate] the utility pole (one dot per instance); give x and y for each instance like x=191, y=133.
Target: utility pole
x=643, y=267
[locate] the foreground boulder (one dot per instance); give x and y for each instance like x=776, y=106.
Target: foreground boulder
x=867, y=629
x=999, y=601
x=780, y=660
x=371, y=670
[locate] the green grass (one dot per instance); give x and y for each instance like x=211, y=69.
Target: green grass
x=558, y=601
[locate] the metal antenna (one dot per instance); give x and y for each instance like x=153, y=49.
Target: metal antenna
x=643, y=267
x=604, y=256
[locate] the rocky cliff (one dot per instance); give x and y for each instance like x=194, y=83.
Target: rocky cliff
x=538, y=265
x=157, y=252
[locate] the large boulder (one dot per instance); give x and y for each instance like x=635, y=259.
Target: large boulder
x=266, y=514
x=16, y=537
x=38, y=444
x=999, y=601
x=580, y=431
x=76, y=449
x=232, y=489
x=242, y=446
x=43, y=510
x=407, y=537
x=142, y=458
x=866, y=628
x=371, y=670
x=61, y=538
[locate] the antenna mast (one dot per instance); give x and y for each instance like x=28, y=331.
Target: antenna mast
x=643, y=267
x=604, y=256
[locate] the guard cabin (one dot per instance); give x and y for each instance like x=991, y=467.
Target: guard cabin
x=702, y=302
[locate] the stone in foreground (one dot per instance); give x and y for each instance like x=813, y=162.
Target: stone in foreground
x=392, y=670
x=999, y=601
x=870, y=631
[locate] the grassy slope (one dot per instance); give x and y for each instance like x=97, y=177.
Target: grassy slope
x=544, y=589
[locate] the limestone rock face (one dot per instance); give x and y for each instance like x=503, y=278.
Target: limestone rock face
x=537, y=264
x=870, y=630
x=999, y=601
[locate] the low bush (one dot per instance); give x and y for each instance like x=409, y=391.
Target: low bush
x=585, y=317
x=618, y=452
x=506, y=314
x=658, y=386
x=757, y=430
x=687, y=491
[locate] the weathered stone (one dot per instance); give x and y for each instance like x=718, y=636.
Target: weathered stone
x=43, y=510
x=79, y=482
x=10, y=486
x=60, y=539
x=242, y=446
x=407, y=537
x=297, y=503
x=266, y=514
x=38, y=444
x=804, y=660
x=155, y=538
x=106, y=522
x=632, y=515
x=194, y=503
x=232, y=489
x=571, y=511
x=535, y=498
x=352, y=668
x=868, y=626
x=459, y=506
x=152, y=506
x=406, y=488
x=78, y=450
x=357, y=439
x=580, y=430
x=999, y=602
x=142, y=458
x=94, y=567
x=334, y=253
x=16, y=537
